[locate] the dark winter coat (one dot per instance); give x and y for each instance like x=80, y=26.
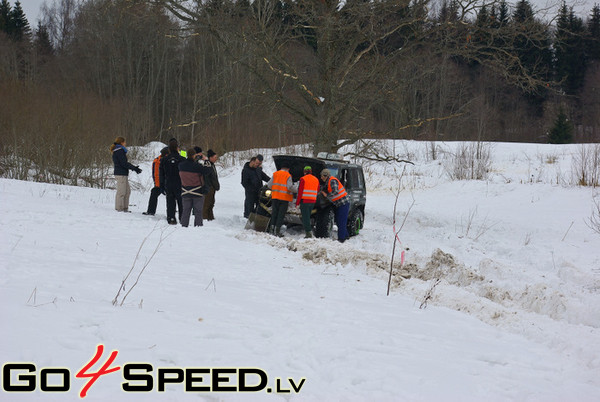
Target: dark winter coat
x=192, y=175
x=119, y=156
x=212, y=180
x=169, y=172
x=252, y=178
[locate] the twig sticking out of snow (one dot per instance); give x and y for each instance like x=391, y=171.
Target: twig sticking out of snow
x=429, y=294
x=33, y=294
x=396, y=232
x=122, y=286
x=213, y=283
x=565, y=236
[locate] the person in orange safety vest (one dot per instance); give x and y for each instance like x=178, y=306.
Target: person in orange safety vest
x=155, y=192
x=282, y=189
x=307, y=197
x=336, y=193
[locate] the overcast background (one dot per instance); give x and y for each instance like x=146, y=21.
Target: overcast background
x=583, y=7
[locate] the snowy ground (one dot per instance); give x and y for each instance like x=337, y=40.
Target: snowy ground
x=515, y=314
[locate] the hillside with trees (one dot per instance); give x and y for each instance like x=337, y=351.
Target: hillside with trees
x=235, y=74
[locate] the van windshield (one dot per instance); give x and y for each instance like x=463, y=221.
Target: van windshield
x=334, y=170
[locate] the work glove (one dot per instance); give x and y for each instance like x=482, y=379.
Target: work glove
x=137, y=170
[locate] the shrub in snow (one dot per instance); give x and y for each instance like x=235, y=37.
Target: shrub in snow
x=586, y=165
x=470, y=161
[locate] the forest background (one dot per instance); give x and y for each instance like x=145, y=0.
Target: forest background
x=234, y=75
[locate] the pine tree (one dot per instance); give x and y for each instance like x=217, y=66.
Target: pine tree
x=533, y=44
x=532, y=47
x=19, y=29
x=592, y=46
x=5, y=12
x=43, y=45
x=499, y=15
x=569, y=55
x=562, y=131
x=448, y=11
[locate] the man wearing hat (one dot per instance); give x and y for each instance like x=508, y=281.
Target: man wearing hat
x=335, y=192
x=307, y=197
x=156, y=191
x=282, y=189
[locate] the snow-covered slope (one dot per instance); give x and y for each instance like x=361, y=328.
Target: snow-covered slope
x=514, y=315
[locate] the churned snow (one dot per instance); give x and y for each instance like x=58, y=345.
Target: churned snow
x=498, y=297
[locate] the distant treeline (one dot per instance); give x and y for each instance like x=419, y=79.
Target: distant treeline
x=238, y=74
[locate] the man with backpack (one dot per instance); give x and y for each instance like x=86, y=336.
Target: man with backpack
x=194, y=187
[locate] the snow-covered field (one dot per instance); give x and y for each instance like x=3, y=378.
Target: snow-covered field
x=498, y=297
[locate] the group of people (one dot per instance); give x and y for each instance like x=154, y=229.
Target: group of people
x=282, y=193
x=188, y=182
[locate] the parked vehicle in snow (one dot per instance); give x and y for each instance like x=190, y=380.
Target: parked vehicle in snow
x=350, y=175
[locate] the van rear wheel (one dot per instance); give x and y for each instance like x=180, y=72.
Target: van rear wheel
x=355, y=222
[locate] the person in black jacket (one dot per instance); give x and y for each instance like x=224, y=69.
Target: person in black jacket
x=212, y=181
x=156, y=191
x=121, y=172
x=252, y=181
x=194, y=188
x=170, y=182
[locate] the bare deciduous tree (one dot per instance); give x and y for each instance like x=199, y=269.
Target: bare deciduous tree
x=326, y=65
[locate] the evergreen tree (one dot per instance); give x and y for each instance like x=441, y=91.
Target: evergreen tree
x=592, y=46
x=532, y=47
x=448, y=12
x=482, y=33
x=483, y=17
x=532, y=43
x=5, y=12
x=42, y=43
x=562, y=131
x=569, y=56
x=503, y=13
x=19, y=29
x=523, y=12
x=560, y=48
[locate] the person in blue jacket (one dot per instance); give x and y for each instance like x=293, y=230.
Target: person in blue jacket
x=121, y=172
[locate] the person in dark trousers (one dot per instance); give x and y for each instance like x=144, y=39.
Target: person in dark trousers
x=282, y=189
x=336, y=193
x=212, y=181
x=308, y=189
x=170, y=182
x=121, y=172
x=193, y=187
x=156, y=191
x=252, y=181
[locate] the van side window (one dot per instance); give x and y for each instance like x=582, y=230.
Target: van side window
x=343, y=176
x=361, y=178
x=353, y=179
